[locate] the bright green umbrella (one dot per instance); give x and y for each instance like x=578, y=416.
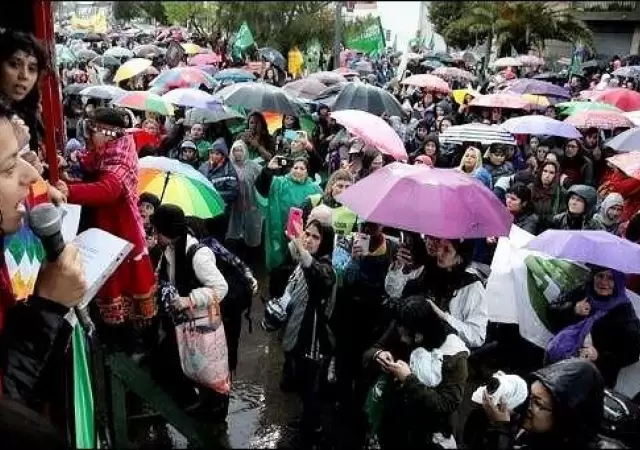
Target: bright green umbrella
x=571, y=108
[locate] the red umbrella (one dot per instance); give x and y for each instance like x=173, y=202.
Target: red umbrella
x=625, y=99
x=205, y=59
x=603, y=120
x=428, y=82
x=509, y=101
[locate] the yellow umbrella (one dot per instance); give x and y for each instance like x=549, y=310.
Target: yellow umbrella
x=191, y=49
x=536, y=100
x=459, y=94
x=131, y=68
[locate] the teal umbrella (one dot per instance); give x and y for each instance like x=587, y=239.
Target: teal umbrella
x=64, y=55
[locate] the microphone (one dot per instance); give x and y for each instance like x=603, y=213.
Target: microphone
x=45, y=221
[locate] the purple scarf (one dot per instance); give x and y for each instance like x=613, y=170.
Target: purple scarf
x=568, y=342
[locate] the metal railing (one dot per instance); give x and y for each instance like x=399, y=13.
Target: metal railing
x=614, y=6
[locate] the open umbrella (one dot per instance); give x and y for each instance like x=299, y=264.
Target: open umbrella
x=506, y=62
x=131, y=68
x=506, y=101
x=541, y=126
x=103, y=92
x=372, y=130
x=183, y=77
x=571, y=108
x=273, y=56
x=603, y=120
x=536, y=101
x=274, y=121
x=145, y=101
x=307, y=88
x=86, y=55
x=328, y=78
x=428, y=82
x=148, y=51
x=413, y=198
x=197, y=115
x=106, y=61
x=192, y=98
x=64, y=55
x=180, y=184
x=235, y=75
x=633, y=116
x=627, y=141
x=205, y=59
x=537, y=87
x=118, y=52
x=75, y=88
x=627, y=72
x=625, y=99
x=454, y=73
x=590, y=247
x=530, y=60
x=369, y=98
x=477, y=132
x=260, y=97
x=629, y=163
x=191, y=48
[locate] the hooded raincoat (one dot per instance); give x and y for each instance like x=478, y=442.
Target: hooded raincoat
x=567, y=221
x=602, y=218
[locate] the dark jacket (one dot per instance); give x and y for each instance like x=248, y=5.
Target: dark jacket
x=413, y=411
x=567, y=221
x=224, y=179
x=33, y=346
x=528, y=221
x=579, y=170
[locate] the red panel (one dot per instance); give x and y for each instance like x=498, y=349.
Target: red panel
x=50, y=88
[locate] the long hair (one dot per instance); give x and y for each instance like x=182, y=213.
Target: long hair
x=326, y=238
x=416, y=315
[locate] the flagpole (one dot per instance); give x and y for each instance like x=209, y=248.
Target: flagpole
x=337, y=38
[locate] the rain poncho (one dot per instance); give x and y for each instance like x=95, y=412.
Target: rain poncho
x=245, y=221
x=284, y=193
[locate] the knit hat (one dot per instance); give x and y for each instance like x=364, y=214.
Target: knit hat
x=147, y=197
x=188, y=144
x=220, y=146
x=169, y=221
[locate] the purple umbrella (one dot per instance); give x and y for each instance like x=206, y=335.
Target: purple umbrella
x=537, y=87
x=590, y=247
x=439, y=202
x=192, y=98
x=541, y=126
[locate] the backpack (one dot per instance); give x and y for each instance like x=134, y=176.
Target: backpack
x=236, y=273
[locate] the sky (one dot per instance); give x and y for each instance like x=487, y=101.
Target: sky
x=401, y=18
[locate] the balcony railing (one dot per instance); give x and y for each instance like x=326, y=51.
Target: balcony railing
x=606, y=6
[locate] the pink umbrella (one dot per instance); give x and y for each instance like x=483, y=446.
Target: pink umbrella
x=205, y=59
x=603, y=120
x=428, y=82
x=503, y=100
x=373, y=130
x=443, y=203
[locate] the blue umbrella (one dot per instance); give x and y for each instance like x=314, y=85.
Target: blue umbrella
x=234, y=75
x=627, y=141
x=541, y=126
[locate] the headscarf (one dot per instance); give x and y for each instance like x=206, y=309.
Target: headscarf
x=611, y=200
x=568, y=342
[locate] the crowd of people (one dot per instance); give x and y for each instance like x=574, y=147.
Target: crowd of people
x=377, y=325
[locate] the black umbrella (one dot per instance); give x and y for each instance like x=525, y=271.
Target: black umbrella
x=86, y=55
x=106, y=61
x=273, y=56
x=93, y=37
x=148, y=51
x=260, y=97
x=329, y=95
x=369, y=98
x=328, y=78
x=75, y=88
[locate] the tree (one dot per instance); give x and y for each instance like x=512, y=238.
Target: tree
x=441, y=14
x=184, y=13
x=154, y=10
x=126, y=11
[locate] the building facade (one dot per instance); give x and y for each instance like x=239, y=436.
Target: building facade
x=615, y=25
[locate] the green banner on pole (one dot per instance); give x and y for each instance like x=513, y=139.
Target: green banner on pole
x=371, y=40
x=82, y=392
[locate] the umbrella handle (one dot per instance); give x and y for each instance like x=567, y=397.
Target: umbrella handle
x=164, y=188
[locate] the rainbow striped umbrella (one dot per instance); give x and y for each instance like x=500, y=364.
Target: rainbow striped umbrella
x=183, y=77
x=179, y=184
x=145, y=101
x=274, y=121
x=23, y=255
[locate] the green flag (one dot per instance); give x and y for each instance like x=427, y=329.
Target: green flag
x=244, y=38
x=82, y=393
x=575, y=66
x=369, y=41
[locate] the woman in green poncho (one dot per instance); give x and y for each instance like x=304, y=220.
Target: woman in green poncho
x=276, y=194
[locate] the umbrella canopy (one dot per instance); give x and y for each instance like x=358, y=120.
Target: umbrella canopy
x=541, y=126
x=205, y=59
x=183, y=77
x=627, y=141
x=145, y=101
x=328, y=78
x=103, y=92
x=590, y=247
x=629, y=163
x=453, y=73
x=506, y=62
x=530, y=60
x=180, y=184
x=625, y=99
x=413, y=198
x=75, y=88
x=131, y=68
x=191, y=48
x=86, y=55
x=603, y=120
x=431, y=64
x=507, y=101
x=148, y=51
x=571, y=108
x=273, y=56
x=372, y=130
x=537, y=87
x=428, y=82
x=274, y=121
x=64, y=55
x=307, y=88
x=369, y=98
x=477, y=132
x=536, y=101
x=633, y=116
x=192, y=98
x=460, y=94
x=118, y=52
x=204, y=116
x=235, y=75
x=106, y=61
x=260, y=97
x=627, y=72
